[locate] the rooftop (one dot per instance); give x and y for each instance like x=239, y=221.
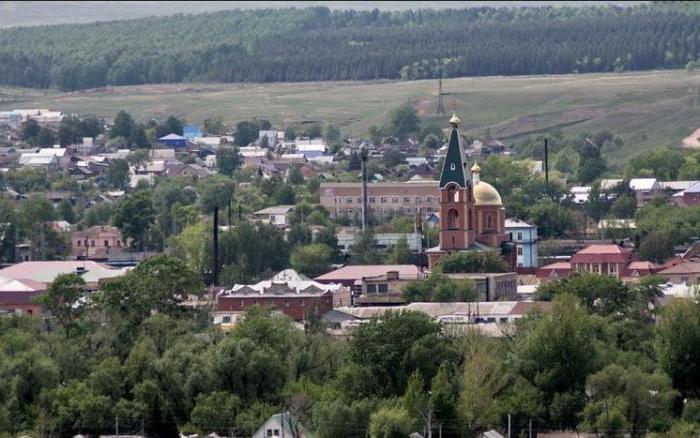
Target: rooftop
x=357, y=272
x=46, y=272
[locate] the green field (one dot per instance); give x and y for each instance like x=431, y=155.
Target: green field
x=647, y=109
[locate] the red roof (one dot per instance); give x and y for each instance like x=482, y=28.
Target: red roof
x=642, y=266
x=561, y=268
x=602, y=254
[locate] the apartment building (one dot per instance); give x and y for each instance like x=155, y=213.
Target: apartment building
x=397, y=198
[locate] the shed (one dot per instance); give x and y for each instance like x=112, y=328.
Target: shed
x=174, y=140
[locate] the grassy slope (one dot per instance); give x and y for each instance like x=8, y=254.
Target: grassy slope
x=661, y=106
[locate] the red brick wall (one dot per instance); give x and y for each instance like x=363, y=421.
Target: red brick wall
x=297, y=308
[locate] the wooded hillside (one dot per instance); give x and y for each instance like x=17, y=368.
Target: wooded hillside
x=320, y=44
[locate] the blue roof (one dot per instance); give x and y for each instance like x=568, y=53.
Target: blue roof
x=172, y=137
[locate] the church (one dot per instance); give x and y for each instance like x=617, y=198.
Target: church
x=472, y=216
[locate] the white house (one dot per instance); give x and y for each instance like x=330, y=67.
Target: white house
x=277, y=215
x=645, y=189
x=282, y=425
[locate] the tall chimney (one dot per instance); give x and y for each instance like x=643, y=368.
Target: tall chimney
x=215, y=270
x=364, y=154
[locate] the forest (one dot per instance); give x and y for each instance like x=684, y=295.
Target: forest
x=317, y=44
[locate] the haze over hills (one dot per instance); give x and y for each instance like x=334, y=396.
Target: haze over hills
x=33, y=13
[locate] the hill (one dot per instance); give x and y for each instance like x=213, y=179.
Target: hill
x=647, y=109
x=320, y=44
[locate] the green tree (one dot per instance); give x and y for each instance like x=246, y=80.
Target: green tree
x=295, y=176
x=228, y=160
x=191, y=246
x=390, y=422
x=62, y=298
x=601, y=294
x=214, y=191
x=215, y=412
x=134, y=217
x=30, y=130
x=65, y=211
x=312, y=260
x=401, y=253
x=405, y=121
x=678, y=345
x=364, y=251
x=123, y=126
x=45, y=138
x=440, y=288
x=214, y=126
x=331, y=134
x=117, y=175
x=485, y=261
x=656, y=247
x=552, y=219
x=246, y=133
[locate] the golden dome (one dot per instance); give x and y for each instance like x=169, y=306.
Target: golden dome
x=454, y=120
x=485, y=194
x=476, y=168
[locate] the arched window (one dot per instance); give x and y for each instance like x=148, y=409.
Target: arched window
x=469, y=219
x=452, y=217
x=489, y=222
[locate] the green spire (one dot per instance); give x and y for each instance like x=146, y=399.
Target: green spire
x=453, y=169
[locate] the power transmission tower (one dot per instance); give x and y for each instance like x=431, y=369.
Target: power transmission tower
x=440, y=107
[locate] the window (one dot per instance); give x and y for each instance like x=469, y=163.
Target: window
x=348, y=200
x=382, y=288
x=395, y=200
x=520, y=235
x=406, y=200
x=242, y=303
x=371, y=288
x=612, y=269
x=596, y=268
x=119, y=243
x=684, y=280
x=418, y=199
x=277, y=432
x=359, y=200
x=106, y=243
x=452, y=166
x=489, y=222
x=452, y=217
x=286, y=303
x=226, y=320
x=520, y=250
x=269, y=432
x=452, y=194
x=92, y=243
x=372, y=200
x=428, y=199
x=78, y=243
x=301, y=303
x=382, y=199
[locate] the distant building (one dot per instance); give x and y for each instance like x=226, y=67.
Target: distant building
x=348, y=237
x=524, y=237
x=174, y=140
x=45, y=272
x=96, y=243
x=272, y=137
x=282, y=425
x=611, y=260
x=645, y=189
x=690, y=197
x=278, y=216
x=488, y=146
x=287, y=292
x=407, y=198
x=192, y=131
x=492, y=286
x=580, y=193
x=16, y=296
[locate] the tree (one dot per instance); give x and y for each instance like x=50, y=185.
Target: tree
x=295, y=176
x=65, y=211
x=214, y=191
x=364, y=251
x=311, y=260
x=640, y=400
x=432, y=142
x=678, y=345
x=401, y=253
x=215, y=126
x=390, y=422
x=552, y=219
x=440, y=288
x=134, y=217
x=228, y=160
x=62, y=298
x=191, y=246
x=117, y=175
x=443, y=400
x=483, y=378
x=656, y=247
x=246, y=133
x=45, y=138
x=601, y=294
x=405, y=121
x=334, y=418
x=30, y=129
x=472, y=261
x=331, y=134
x=215, y=412
x=172, y=125
x=123, y=126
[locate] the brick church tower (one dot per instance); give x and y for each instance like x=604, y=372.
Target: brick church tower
x=456, y=229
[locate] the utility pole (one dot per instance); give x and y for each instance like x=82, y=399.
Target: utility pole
x=440, y=108
x=116, y=426
x=215, y=268
x=546, y=166
x=364, y=155
x=508, y=425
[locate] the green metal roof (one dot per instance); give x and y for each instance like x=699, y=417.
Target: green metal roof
x=453, y=170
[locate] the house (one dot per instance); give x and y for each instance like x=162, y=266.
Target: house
x=174, y=140
x=610, y=184
x=16, y=296
x=288, y=292
x=492, y=286
x=278, y=216
x=690, y=197
x=580, y=194
x=282, y=425
x=616, y=228
x=272, y=136
x=46, y=271
x=50, y=162
x=686, y=272
x=488, y=146
x=524, y=236
x=352, y=276
x=311, y=148
x=87, y=146
x=253, y=156
x=187, y=170
x=645, y=189
x=385, y=289
x=602, y=259
x=192, y=131
x=96, y=243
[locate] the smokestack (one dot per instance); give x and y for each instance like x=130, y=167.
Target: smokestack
x=215, y=270
x=546, y=166
x=364, y=154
